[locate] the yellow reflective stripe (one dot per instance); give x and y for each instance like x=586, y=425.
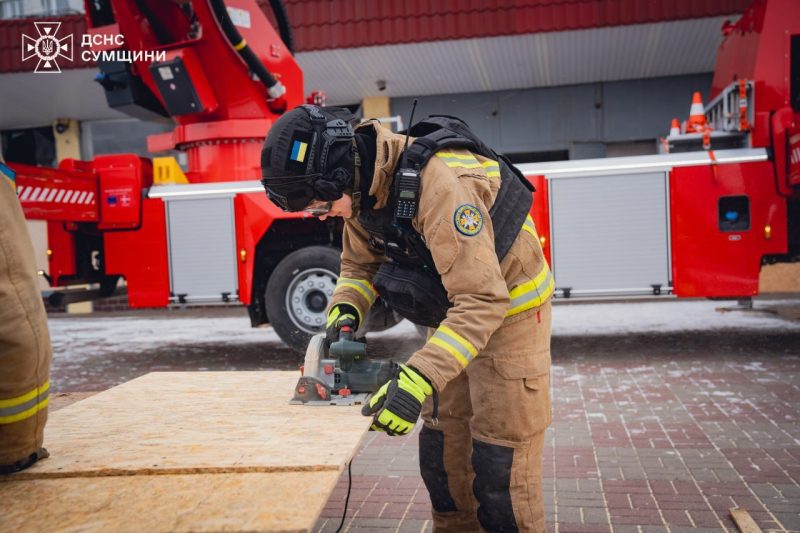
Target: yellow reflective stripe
x=453, y=160
x=11, y=402
x=240, y=45
x=454, y=344
x=532, y=293
x=450, y=349
x=453, y=155
x=529, y=227
x=362, y=286
x=25, y=414
x=492, y=168
x=458, y=164
x=25, y=406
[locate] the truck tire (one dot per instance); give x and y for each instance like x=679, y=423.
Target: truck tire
x=298, y=293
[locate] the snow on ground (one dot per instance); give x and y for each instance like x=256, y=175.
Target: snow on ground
x=672, y=316
x=91, y=335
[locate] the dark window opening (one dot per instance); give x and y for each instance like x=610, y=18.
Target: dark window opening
x=33, y=146
x=734, y=213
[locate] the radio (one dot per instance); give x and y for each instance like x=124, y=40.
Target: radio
x=406, y=183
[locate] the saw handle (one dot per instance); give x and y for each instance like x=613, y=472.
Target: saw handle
x=346, y=350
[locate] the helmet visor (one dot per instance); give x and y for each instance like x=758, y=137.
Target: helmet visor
x=291, y=193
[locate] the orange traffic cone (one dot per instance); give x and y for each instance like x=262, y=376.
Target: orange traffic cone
x=675, y=128
x=697, y=116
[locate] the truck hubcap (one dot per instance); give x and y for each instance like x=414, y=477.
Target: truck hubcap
x=308, y=296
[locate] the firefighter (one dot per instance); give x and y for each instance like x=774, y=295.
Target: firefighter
x=25, y=351
x=481, y=380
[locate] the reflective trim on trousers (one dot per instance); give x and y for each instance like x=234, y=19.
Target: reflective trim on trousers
x=25, y=406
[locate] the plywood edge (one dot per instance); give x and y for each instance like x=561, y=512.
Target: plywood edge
x=121, y=472
x=744, y=521
x=213, y=502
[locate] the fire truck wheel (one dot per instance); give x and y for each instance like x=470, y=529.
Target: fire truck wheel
x=298, y=293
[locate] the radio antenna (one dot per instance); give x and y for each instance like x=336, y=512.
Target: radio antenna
x=408, y=130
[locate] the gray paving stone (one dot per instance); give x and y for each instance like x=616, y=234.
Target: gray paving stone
x=595, y=516
x=655, y=529
x=569, y=515
x=789, y=520
x=414, y=526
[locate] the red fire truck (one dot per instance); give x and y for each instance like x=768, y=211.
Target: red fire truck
x=698, y=219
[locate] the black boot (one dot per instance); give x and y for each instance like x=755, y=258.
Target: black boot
x=22, y=464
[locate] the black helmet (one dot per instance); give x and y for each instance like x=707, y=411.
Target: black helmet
x=296, y=153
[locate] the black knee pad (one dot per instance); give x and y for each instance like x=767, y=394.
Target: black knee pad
x=431, y=466
x=492, y=465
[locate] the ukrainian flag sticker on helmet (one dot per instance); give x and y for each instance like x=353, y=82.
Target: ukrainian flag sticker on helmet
x=299, y=151
x=468, y=220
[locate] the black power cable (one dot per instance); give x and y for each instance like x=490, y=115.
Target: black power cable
x=284, y=28
x=237, y=41
x=347, y=499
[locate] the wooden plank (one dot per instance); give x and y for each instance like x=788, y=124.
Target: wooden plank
x=198, y=422
x=780, y=277
x=185, y=451
x=61, y=400
x=278, y=501
x=744, y=521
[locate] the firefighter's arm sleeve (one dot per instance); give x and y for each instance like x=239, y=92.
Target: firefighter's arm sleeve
x=454, y=219
x=358, y=266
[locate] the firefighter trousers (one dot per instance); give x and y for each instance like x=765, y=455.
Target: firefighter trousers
x=25, y=351
x=482, y=461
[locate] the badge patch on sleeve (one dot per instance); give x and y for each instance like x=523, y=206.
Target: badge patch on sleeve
x=468, y=220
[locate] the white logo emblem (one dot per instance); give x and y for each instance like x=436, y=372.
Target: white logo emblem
x=47, y=47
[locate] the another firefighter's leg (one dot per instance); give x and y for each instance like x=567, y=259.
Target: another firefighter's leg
x=511, y=404
x=444, y=459
x=24, y=342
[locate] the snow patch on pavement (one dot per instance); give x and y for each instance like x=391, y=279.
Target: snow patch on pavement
x=663, y=317
x=91, y=335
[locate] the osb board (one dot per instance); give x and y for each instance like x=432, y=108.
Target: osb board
x=198, y=422
x=61, y=400
x=781, y=277
x=285, y=501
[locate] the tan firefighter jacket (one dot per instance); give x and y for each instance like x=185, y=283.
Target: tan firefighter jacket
x=456, y=192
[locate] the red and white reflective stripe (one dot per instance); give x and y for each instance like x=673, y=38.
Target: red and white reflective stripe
x=795, y=156
x=55, y=196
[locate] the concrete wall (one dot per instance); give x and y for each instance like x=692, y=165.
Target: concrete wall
x=582, y=119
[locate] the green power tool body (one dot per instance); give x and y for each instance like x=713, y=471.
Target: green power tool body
x=340, y=374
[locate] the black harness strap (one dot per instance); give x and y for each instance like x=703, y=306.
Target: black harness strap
x=513, y=201
x=409, y=282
